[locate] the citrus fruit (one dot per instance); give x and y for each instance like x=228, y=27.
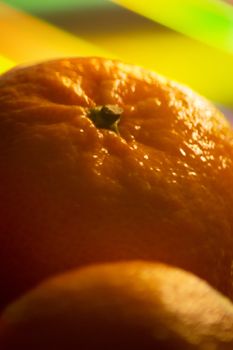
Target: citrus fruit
x=102, y=161
x=130, y=305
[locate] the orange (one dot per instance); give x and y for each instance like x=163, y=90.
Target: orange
x=127, y=306
x=102, y=161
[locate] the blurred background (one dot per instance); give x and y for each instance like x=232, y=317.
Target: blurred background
x=190, y=41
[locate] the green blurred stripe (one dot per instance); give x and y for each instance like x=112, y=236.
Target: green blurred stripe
x=210, y=21
x=42, y=6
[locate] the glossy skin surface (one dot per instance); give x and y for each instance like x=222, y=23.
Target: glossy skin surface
x=74, y=194
x=128, y=306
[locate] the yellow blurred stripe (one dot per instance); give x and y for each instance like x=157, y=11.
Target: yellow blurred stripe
x=205, y=69
x=25, y=38
x=5, y=64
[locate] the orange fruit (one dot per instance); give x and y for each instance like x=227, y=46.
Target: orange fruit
x=131, y=305
x=102, y=161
